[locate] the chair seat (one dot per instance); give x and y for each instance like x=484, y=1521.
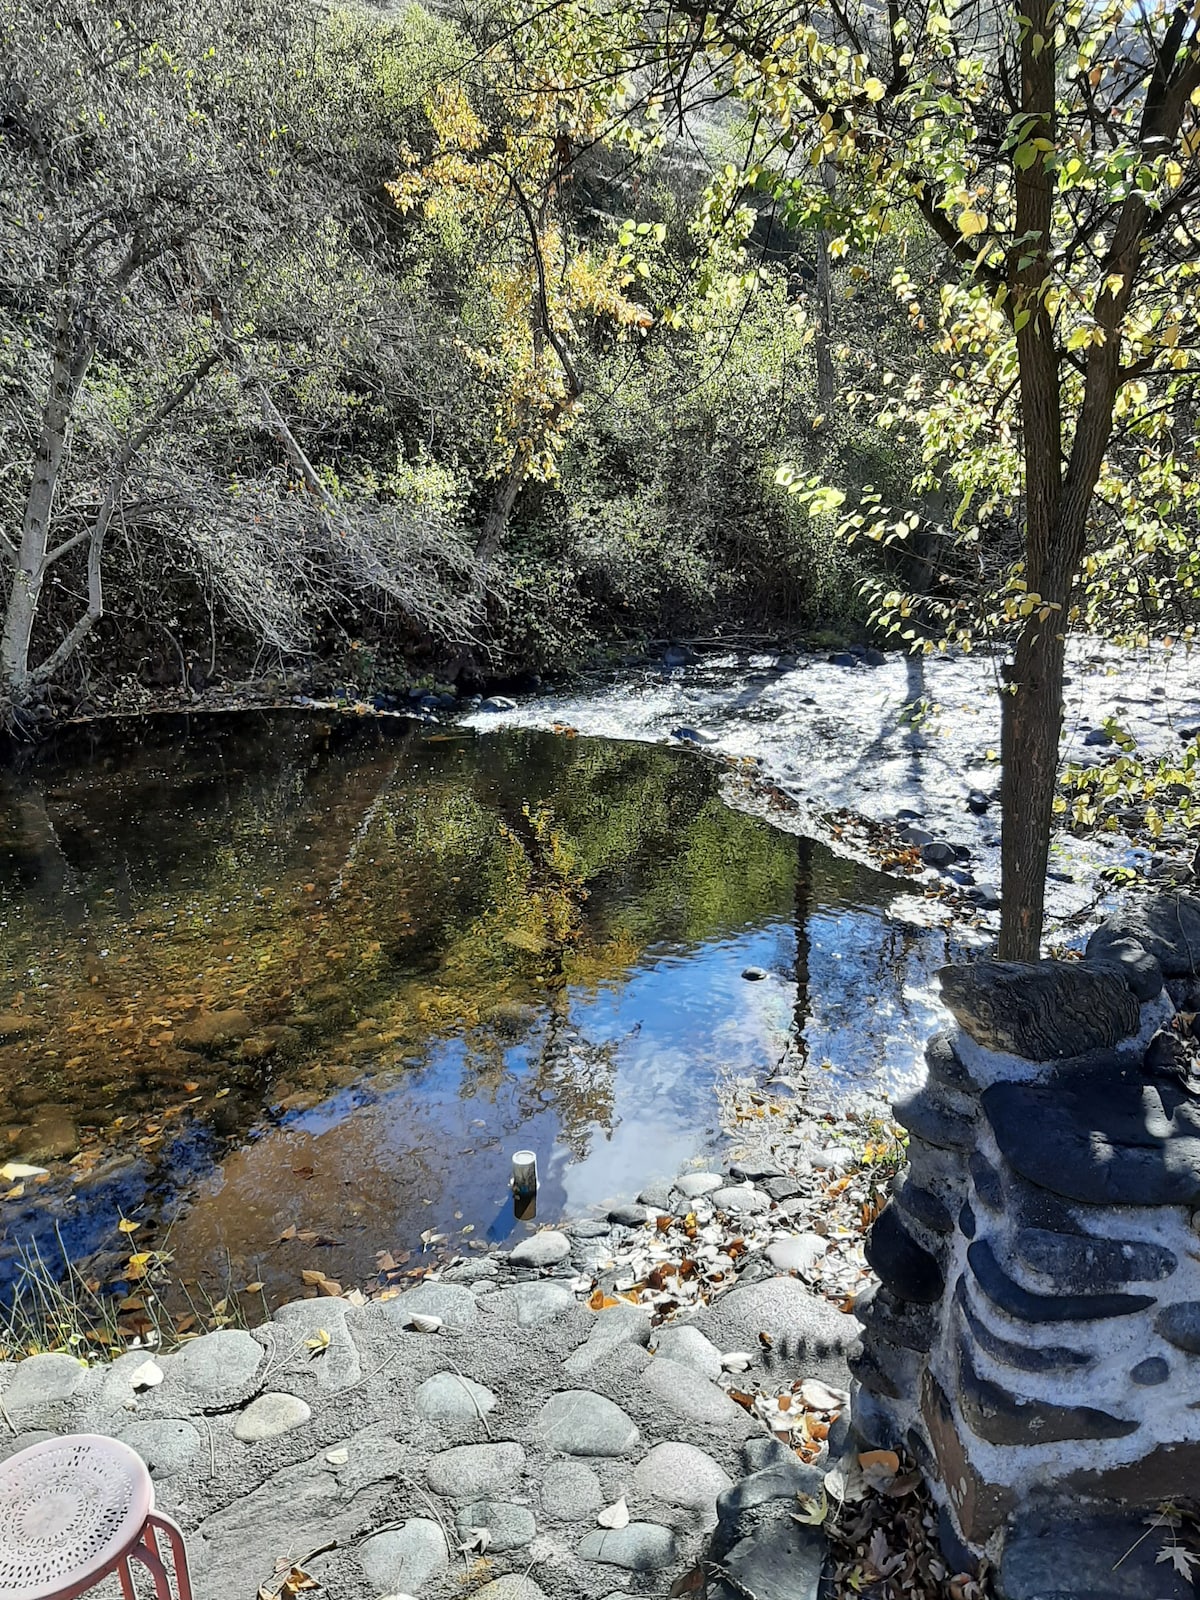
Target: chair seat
x=69, y=1508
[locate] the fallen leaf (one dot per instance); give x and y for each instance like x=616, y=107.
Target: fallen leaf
x=813, y=1509
x=614, y=1516
x=12, y=1170
x=319, y=1341
x=737, y=1361
x=423, y=1323
x=127, y=1225
x=148, y=1376
x=695, y=1581
x=337, y=1458
x=476, y=1541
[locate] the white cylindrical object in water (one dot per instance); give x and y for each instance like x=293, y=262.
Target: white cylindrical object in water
x=524, y=1174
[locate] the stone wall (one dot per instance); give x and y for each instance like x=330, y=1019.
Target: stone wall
x=1035, y=1336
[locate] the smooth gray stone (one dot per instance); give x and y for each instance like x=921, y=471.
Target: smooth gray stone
x=782, y=1561
x=589, y=1229
x=456, y=1306
x=799, y=1252
x=613, y=1327
x=570, y=1492
x=809, y=1337
x=42, y=1381
x=540, y=1302
x=404, y=1559
x=657, y=1196
x=510, y=1527
x=542, y=1250
x=781, y=1478
x=741, y=1199
x=750, y=1171
x=580, y=1423
x=784, y=1188
x=338, y=1365
x=690, y=1348
x=689, y=1395
x=629, y=1216
x=166, y=1446
x=218, y=1367
x=471, y=1471
x=1179, y=1325
x=694, y=1184
x=1041, y=1010
x=641, y=1547
x=448, y=1397
x=270, y=1416
x=1135, y=964
x=681, y=1475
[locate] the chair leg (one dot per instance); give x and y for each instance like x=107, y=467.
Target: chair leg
x=146, y=1551
x=174, y=1534
x=127, y=1589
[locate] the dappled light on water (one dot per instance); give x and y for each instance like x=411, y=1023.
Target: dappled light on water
x=287, y=993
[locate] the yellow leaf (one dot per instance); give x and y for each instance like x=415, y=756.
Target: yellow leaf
x=127, y=1225
x=972, y=222
x=318, y=1342
x=874, y=90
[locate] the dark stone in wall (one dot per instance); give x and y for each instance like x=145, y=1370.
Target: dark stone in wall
x=979, y=1507
x=922, y=1205
x=883, y=1368
x=1102, y=1138
x=1081, y=1264
x=903, y=1265
x=1000, y=1417
x=1166, y=926
x=926, y=1117
x=946, y=1070
x=1041, y=1011
x=966, y=1221
x=1180, y=1325
x=1149, y=1481
x=1150, y=1373
x=1098, y=1558
x=1022, y=1357
x=988, y=1187
x=1136, y=966
x=1006, y=1293
x=896, y=1321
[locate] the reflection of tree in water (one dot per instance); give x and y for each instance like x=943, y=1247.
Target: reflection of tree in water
x=354, y=896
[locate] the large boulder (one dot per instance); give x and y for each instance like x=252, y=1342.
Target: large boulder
x=1041, y=1010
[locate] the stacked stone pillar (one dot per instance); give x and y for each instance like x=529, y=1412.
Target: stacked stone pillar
x=1035, y=1337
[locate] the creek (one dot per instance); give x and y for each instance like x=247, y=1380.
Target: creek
x=287, y=990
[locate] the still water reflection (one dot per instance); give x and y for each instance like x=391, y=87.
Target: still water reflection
x=265, y=973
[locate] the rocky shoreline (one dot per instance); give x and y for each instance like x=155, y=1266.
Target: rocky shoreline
x=591, y=1413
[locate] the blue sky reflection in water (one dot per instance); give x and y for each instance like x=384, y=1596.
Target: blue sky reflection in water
x=439, y=949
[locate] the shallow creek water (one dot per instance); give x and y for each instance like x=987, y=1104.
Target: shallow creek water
x=274, y=975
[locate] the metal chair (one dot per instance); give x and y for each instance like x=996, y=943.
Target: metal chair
x=77, y=1509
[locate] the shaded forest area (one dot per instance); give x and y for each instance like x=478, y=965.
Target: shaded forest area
x=275, y=346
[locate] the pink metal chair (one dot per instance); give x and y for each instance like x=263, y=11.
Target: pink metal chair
x=77, y=1509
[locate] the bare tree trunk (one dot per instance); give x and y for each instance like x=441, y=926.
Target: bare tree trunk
x=69, y=363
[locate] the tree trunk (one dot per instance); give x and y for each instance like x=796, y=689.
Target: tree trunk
x=1030, y=725
x=66, y=374
x=1031, y=711
x=823, y=343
